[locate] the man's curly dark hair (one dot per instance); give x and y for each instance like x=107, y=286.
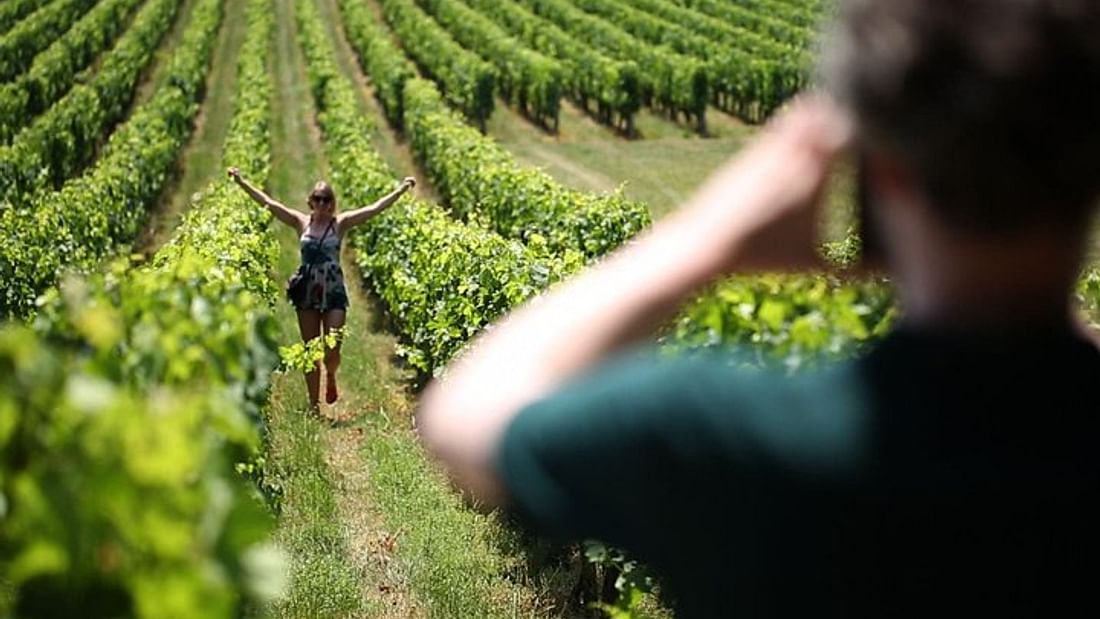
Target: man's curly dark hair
x=993, y=105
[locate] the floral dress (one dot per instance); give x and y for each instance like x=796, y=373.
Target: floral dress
x=325, y=288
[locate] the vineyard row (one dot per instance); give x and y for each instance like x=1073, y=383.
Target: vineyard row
x=54, y=70
x=148, y=380
x=60, y=142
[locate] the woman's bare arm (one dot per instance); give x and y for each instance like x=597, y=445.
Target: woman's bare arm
x=353, y=218
x=288, y=216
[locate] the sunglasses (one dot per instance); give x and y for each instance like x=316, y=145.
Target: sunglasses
x=320, y=199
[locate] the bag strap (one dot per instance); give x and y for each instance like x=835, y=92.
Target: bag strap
x=327, y=230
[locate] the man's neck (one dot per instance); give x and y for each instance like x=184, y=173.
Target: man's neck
x=991, y=283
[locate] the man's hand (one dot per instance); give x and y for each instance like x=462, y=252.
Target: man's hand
x=409, y=182
x=235, y=174
x=769, y=196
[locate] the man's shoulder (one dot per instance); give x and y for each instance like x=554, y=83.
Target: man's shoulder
x=646, y=430
x=716, y=409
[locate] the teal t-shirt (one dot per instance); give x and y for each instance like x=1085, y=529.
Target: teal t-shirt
x=940, y=473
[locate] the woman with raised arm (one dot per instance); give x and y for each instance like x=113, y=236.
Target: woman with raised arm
x=317, y=290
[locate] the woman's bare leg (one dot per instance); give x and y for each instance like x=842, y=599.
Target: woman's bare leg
x=334, y=319
x=309, y=323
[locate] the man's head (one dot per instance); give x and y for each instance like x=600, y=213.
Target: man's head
x=992, y=107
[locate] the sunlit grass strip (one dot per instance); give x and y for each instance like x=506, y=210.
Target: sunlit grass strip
x=447, y=551
x=325, y=581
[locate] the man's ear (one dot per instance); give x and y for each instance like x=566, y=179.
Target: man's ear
x=889, y=202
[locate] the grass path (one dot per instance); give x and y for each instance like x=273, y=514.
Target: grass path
x=323, y=581
x=151, y=76
x=415, y=547
x=202, y=156
x=340, y=555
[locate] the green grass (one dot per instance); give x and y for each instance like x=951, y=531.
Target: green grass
x=451, y=554
x=324, y=581
x=660, y=168
x=454, y=561
x=371, y=387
